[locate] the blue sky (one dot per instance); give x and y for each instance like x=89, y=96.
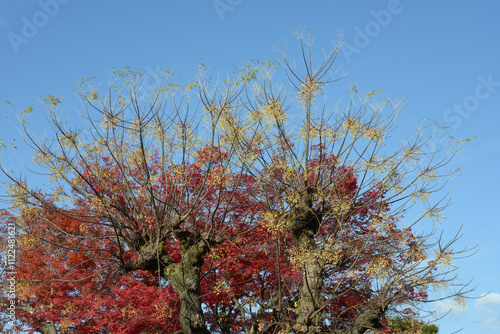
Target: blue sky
x=444, y=55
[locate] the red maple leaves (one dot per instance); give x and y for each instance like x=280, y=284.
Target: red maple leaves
x=70, y=259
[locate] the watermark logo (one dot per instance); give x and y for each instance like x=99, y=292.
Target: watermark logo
x=31, y=26
x=221, y=7
x=373, y=28
x=10, y=271
x=460, y=111
x=471, y=103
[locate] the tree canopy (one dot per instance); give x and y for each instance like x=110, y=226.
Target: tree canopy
x=246, y=205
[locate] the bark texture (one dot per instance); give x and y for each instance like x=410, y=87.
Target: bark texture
x=305, y=224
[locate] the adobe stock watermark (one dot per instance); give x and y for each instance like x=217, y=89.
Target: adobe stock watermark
x=460, y=111
x=470, y=103
x=32, y=25
x=221, y=7
x=363, y=36
x=10, y=271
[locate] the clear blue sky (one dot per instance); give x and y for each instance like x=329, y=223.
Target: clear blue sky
x=445, y=55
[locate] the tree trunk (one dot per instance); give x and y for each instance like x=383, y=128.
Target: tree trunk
x=368, y=319
x=304, y=227
x=47, y=328
x=184, y=276
x=185, y=280
x=312, y=283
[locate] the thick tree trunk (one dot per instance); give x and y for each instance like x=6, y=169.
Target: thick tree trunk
x=184, y=276
x=312, y=284
x=185, y=280
x=368, y=319
x=47, y=328
x=304, y=227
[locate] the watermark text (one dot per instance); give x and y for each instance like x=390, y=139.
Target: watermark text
x=32, y=25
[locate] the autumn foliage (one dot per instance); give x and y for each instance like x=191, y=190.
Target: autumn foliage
x=159, y=220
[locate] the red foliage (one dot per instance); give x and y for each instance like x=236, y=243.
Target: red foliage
x=68, y=272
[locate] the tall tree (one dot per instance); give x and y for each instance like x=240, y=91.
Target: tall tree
x=254, y=213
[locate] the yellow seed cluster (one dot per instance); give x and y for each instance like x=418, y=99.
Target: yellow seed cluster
x=65, y=325
x=333, y=134
x=429, y=175
x=380, y=165
x=330, y=254
x=221, y=286
x=434, y=215
x=128, y=311
x=109, y=121
x=275, y=221
x=67, y=140
x=374, y=134
x=459, y=301
x=309, y=90
x=162, y=311
x=379, y=266
x=341, y=206
x=23, y=289
x=439, y=285
x=27, y=240
x=300, y=256
x=412, y=153
x=56, y=195
x=443, y=259
x=155, y=131
x=381, y=222
x=352, y=125
x=41, y=158
x=256, y=115
x=19, y=194
x=313, y=133
x=69, y=308
x=271, y=111
x=417, y=254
